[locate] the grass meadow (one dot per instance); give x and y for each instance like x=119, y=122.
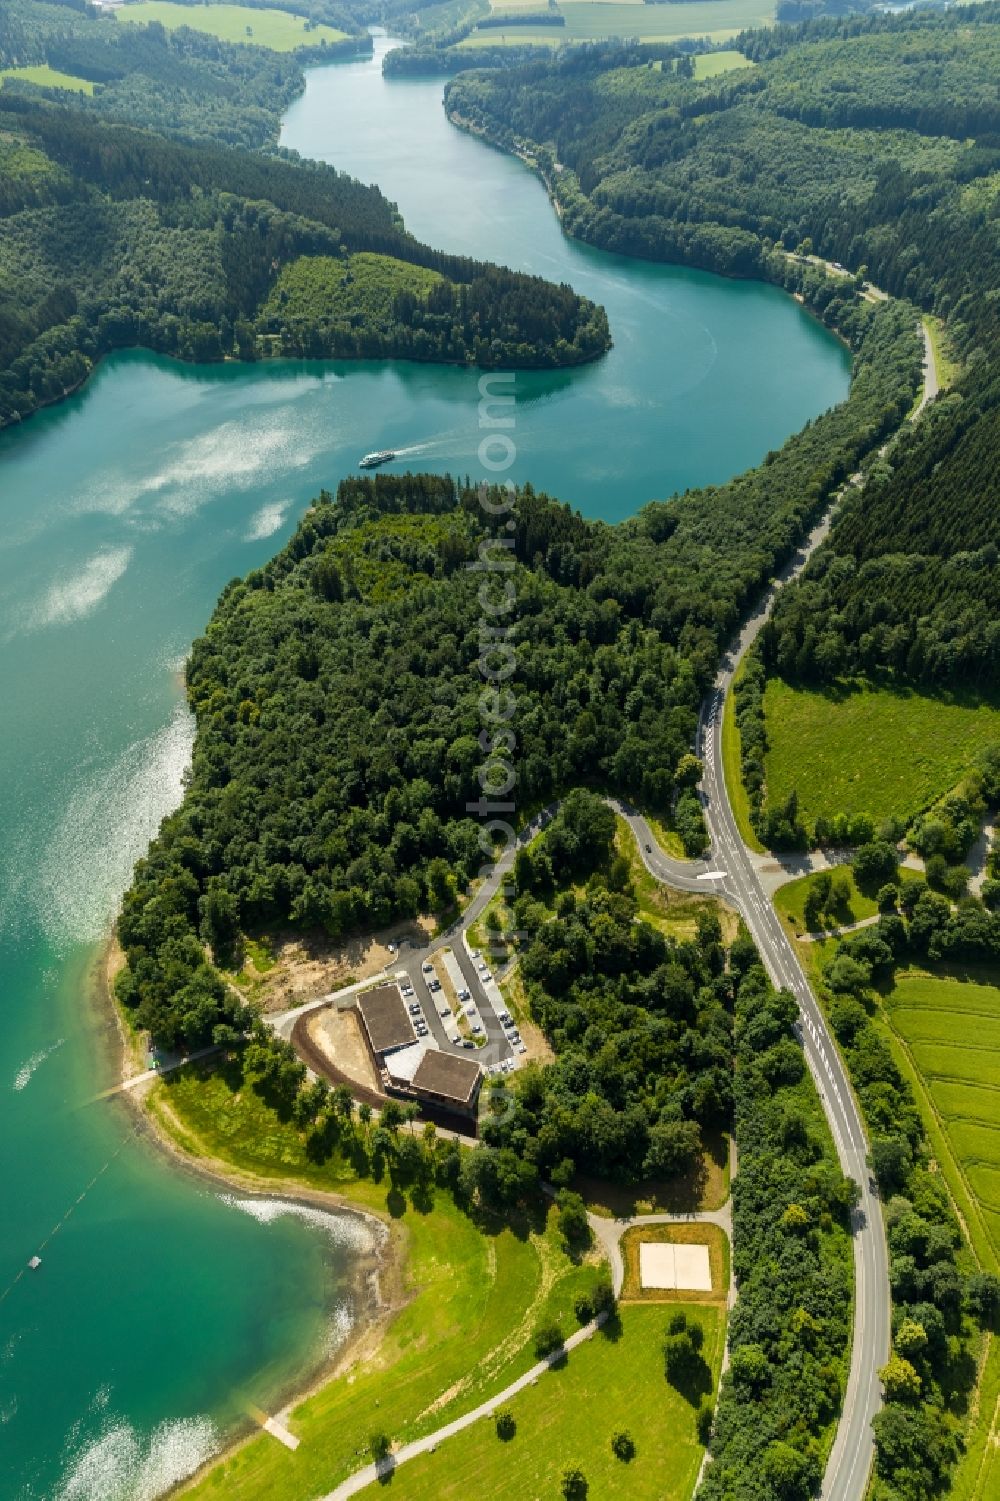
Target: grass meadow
x=790, y=901
x=468, y=1301
x=568, y=1418
x=278, y=30
x=590, y=20
x=869, y=750
x=48, y=78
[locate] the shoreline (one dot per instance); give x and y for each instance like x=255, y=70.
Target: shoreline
x=49, y=403
x=375, y=1283
x=534, y=166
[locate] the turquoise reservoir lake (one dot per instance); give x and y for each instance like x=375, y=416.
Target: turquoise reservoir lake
x=163, y=1308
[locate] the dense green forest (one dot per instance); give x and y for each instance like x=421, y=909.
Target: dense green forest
x=640, y=1025
x=317, y=799
x=908, y=589
x=789, y=1331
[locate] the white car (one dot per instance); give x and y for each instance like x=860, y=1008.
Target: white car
x=522, y=1047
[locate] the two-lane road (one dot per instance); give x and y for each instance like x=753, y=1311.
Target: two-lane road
x=847, y=1471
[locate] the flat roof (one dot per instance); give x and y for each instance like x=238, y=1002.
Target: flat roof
x=386, y=1019
x=404, y=1062
x=447, y=1076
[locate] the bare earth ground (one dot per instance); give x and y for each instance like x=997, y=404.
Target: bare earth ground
x=306, y=967
x=338, y=1037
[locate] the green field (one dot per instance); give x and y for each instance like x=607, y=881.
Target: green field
x=888, y=754
x=48, y=78
x=471, y=1301
x=569, y=1418
x=278, y=30
x=590, y=20
x=947, y=1033
x=711, y=64
x=951, y=1031
x=946, y=363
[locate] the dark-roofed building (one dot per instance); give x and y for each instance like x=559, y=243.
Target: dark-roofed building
x=385, y=1020
x=447, y=1080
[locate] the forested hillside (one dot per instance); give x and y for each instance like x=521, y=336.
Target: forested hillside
x=318, y=798
x=872, y=142
x=111, y=237
x=873, y=139
x=179, y=83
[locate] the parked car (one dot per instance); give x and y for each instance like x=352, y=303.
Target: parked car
x=414, y=1008
x=427, y=966
x=467, y=1042
x=435, y=985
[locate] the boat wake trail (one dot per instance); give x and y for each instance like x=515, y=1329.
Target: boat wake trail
x=24, y=1073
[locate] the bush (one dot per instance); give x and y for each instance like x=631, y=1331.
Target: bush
x=875, y=865
x=548, y=1339
x=623, y=1445
x=574, y=1484
x=506, y=1424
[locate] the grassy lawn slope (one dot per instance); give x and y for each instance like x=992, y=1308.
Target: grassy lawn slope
x=568, y=1419
x=732, y=771
x=467, y=1309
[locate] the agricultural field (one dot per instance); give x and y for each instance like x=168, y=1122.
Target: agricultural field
x=950, y=1029
x=947, y=1035
x=48, y=78
x=468, y=1301
x=278, y=30
x=589, y=20
x=869, y=750
x=569, y=1418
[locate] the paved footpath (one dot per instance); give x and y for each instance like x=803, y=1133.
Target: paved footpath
x=608, y=1233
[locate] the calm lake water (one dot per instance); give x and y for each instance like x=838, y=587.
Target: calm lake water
x=162, y=1310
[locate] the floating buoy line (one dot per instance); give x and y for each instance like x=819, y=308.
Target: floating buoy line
x=36, y=1260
